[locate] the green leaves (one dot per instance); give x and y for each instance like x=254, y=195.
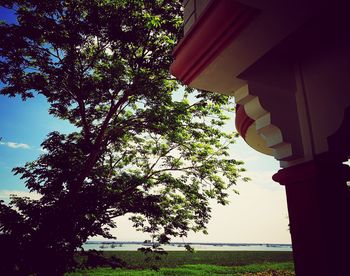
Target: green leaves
x=141, y=145
x=152, y=21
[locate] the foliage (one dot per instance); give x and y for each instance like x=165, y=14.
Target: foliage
x=135, y=260
x=266, y=269
x=138, y=147
x=201, y=263
x=93, y=258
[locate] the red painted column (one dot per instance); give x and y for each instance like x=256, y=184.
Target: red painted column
x=318, y=205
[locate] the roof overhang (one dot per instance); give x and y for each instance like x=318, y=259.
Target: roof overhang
x=230, y=36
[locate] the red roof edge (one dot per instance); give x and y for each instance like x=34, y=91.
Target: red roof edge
x=219, y=24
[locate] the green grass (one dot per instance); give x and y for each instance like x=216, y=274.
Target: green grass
x=195, y=269
x=136, y=259
x=198, y=263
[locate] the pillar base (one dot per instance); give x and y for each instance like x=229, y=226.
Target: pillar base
x=318, y=205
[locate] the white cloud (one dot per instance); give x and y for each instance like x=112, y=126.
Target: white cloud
x=42, y=150
x=14, y=145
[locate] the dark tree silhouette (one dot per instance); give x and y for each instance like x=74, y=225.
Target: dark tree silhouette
x=139, y=147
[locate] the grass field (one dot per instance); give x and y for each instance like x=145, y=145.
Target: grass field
x=200, y=263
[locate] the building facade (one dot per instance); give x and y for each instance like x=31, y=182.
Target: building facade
x=287, y=63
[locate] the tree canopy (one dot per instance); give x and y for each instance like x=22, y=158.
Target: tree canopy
x=143, y=145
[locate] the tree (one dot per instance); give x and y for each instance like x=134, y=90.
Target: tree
x=139, y=147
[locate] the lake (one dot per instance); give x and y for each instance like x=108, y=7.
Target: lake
x=133, y=246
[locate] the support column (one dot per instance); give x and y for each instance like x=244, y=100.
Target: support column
x=318, y=205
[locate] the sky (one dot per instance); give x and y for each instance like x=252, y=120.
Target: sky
x=257, y=215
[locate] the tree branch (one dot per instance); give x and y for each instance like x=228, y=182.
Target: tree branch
x=82, y=111
x=173, y=169
x=93, y=157
x=160, y=156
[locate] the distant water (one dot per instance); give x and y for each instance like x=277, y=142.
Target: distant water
x=133, y=246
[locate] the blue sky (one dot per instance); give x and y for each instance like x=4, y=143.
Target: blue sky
x=23, y=127
x=7, y=15
x=258, y=214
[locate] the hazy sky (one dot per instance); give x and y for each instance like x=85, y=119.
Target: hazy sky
x=258, y=214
